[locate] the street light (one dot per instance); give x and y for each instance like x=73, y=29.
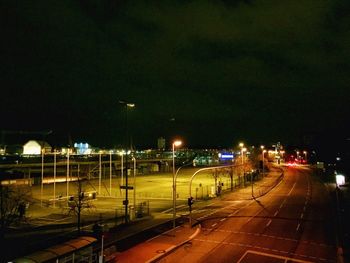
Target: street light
x=298, y=156
x=127, y=105
x=305, y=153
x=175, y=144
x=42, y=177
x=134, y=159
x=110, y=173
x=263, y=153
x=241, y=145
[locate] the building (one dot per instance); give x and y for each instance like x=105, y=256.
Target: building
x=33, y=147
x=161, y=144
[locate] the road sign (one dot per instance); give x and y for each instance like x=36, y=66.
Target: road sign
x=124, y=187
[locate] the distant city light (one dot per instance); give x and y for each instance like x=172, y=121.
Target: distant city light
x=225, y=156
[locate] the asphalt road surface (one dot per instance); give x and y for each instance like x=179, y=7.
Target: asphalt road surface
x=295, y=222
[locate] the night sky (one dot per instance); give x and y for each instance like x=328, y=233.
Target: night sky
x=212, y=72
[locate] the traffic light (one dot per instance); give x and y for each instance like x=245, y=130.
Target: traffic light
x=190, y=202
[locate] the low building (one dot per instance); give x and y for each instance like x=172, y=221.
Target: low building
x=33, y=147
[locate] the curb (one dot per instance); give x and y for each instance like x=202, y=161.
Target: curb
x=172, y=248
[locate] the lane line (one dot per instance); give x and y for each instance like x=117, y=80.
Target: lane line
x=268, y=236
x=269, y=223
x=292, y=189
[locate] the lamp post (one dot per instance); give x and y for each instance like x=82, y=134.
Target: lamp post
x=54, y=178
x=42, y=178
x=298, y=156
x=67, y=176
x=127, y=106
x=305, y=153
x=110, y=173
x=134, y=159
x=241, y=145
x=263, y=153
x=99, y=171
x=175, y=144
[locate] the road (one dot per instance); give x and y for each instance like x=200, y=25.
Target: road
x=292, y=223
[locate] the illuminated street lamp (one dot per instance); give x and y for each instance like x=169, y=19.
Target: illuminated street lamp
x=298, y=155
x=243, y=150
x=176, y=143
x=110, y=173
x=282, y=155
x=263, y=153
x=42, y=177
x=67, y=175
x=134, y=159
x=305, y=153
x=127, y=105
x=241, y=145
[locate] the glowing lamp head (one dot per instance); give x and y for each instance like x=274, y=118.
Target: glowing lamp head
x=241, y=144
x=177, y=143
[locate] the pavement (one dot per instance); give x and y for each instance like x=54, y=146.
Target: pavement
x=158, y=246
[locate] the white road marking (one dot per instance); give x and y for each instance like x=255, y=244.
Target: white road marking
x=268, y=223
x=286, y=259
x=292, y=189
x=268, y=236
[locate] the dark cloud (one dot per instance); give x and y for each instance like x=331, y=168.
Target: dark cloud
x=225, y=70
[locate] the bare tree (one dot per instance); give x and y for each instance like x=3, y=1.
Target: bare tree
x=81, y=201
x=13, y=205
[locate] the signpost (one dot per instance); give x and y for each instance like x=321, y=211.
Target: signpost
x=124, y=187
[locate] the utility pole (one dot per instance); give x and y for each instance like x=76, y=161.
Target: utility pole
x=126, y=201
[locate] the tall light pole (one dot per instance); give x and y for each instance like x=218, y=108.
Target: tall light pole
x=54, y=177
x=110, y=173
x=134, y=159
x=67, y=176
x=298, y=156
x=175, y=144
x=305, y=153
x=127, y=106
x=99, y=171
x=263, y=161
x=241, y=145
x=121, y=168
x=42, y=177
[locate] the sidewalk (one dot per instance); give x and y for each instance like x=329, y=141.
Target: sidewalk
x=157, y=247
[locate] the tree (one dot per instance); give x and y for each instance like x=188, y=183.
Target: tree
x=13, y=205
x=80, y=201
